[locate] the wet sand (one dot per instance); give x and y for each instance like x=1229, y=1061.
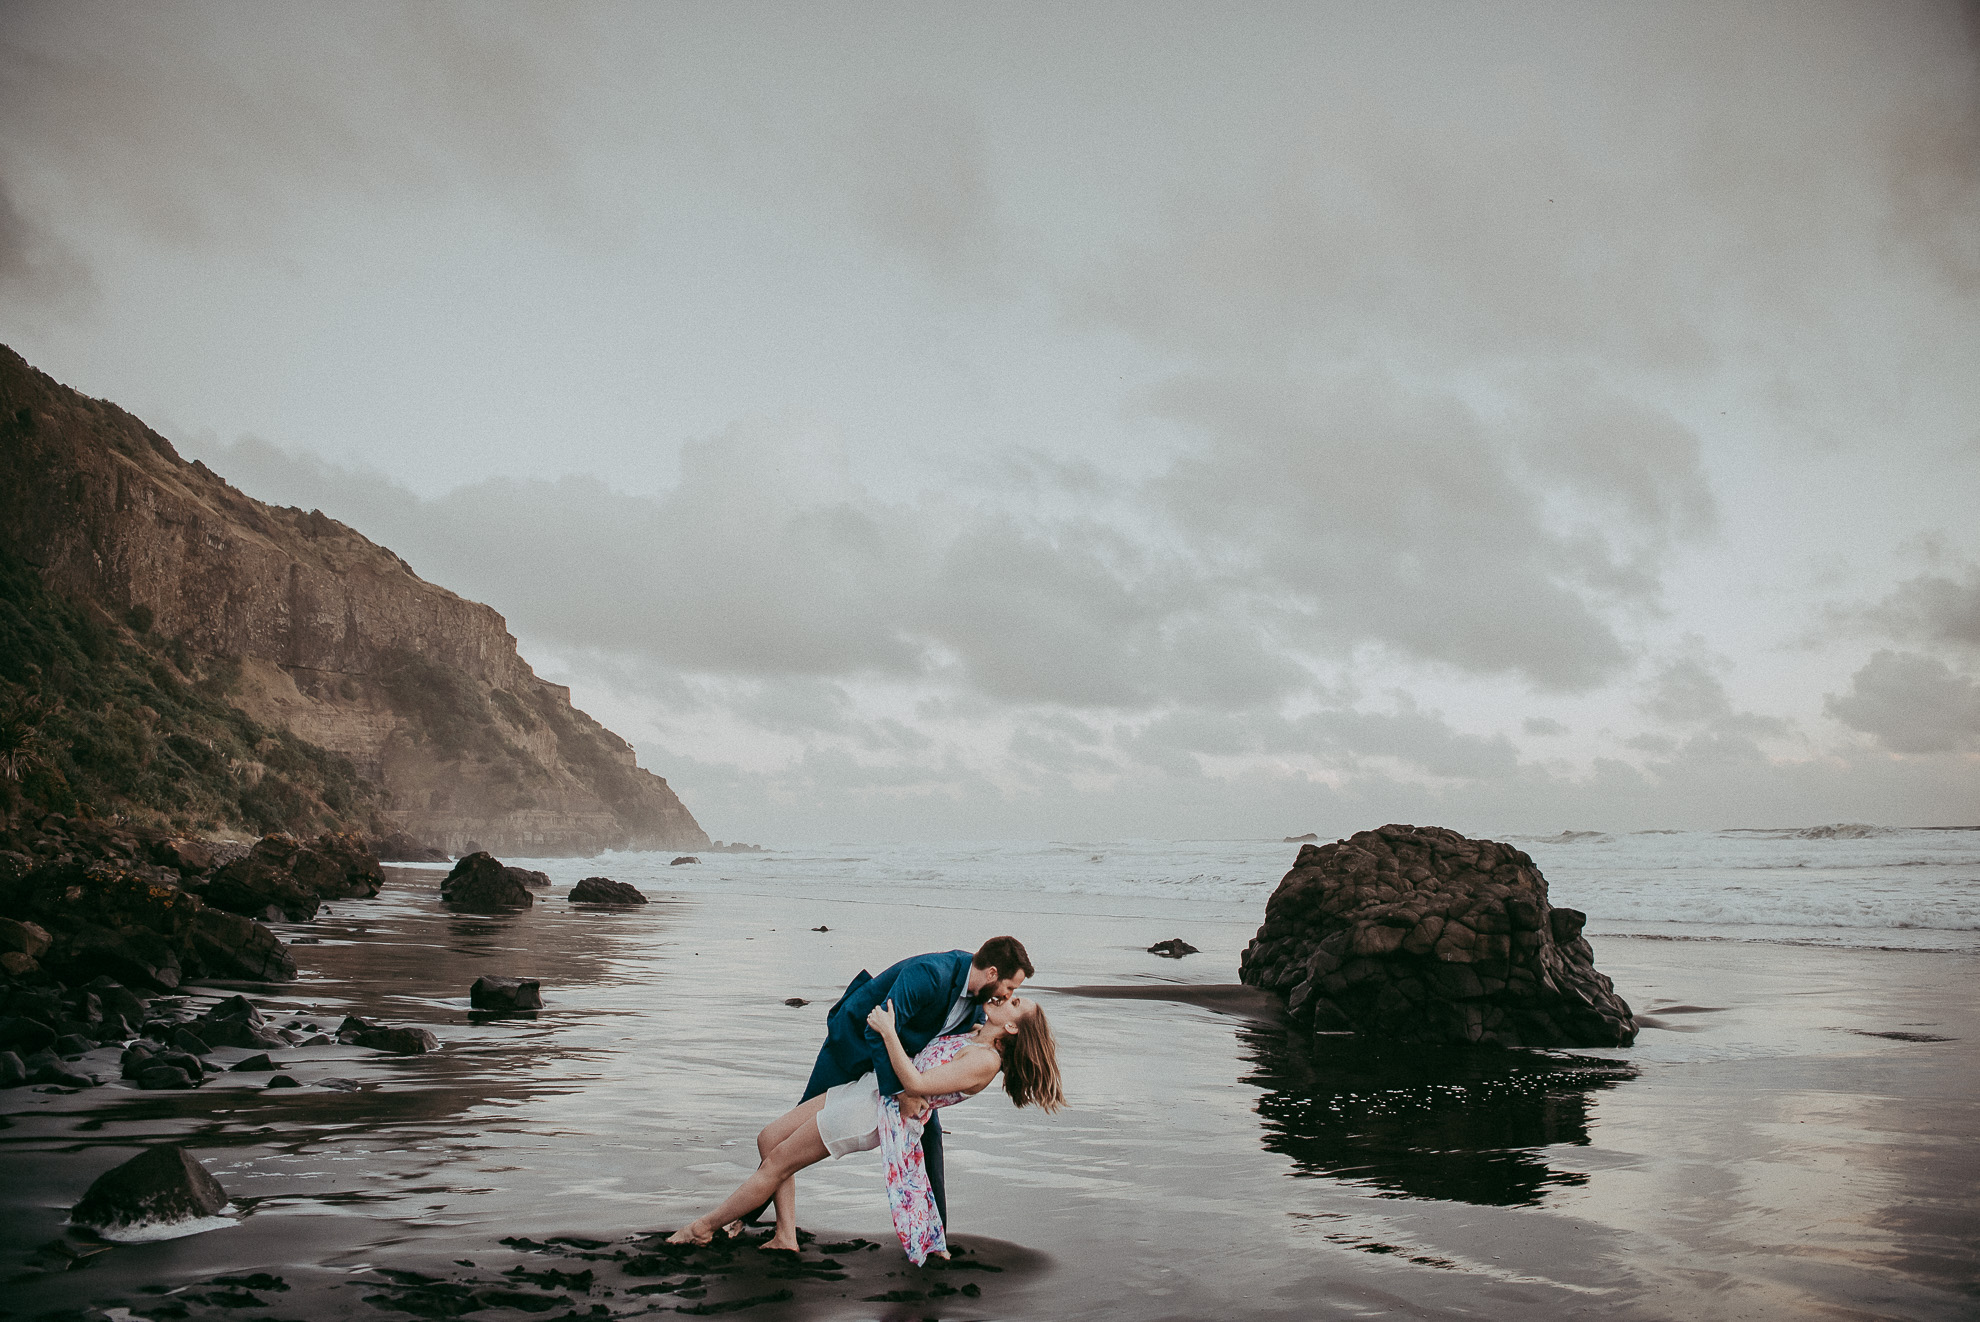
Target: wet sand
x=1759, y=1153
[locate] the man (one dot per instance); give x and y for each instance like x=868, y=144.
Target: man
x=932, y=995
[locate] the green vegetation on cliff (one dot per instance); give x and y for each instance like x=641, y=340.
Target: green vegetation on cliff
x=102, y=717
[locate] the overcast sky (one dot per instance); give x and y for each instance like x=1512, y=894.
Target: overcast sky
x=1089, y=420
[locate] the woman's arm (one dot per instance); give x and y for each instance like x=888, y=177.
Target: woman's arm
x=968, y=1073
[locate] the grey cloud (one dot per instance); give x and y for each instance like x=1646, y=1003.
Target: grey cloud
x=1933, y=609
x=1379, y=513
x=1420, y=739
x=1543, y=727
x=197, y=123
x=1687, y=692
x=1911, y=704
x=919, y=180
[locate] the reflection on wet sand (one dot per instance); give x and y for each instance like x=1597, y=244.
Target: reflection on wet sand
x=1463, y=1124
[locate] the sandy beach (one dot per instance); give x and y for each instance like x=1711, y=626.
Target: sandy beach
x=1792, y=1134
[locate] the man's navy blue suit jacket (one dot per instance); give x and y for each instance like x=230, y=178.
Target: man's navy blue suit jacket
x=923, y=990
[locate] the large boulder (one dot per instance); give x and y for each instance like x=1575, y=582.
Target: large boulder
x=163, y=1186
x=480, y=884
x=282, y=877
x=1418, y=934
x=603, y=890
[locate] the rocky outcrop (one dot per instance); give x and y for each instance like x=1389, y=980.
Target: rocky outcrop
x=480, y=884
x=135, y=923
x=603, y=890
x=1419, y=934
x=282, y=877
x=308, y=627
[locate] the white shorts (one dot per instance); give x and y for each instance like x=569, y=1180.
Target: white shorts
x=850, y=1119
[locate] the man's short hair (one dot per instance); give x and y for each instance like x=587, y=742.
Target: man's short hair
x=1004, y=954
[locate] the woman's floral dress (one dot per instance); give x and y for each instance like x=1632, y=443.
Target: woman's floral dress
x=909, y=1196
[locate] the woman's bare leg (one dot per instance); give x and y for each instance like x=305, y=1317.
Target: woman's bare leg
x=794, y=1143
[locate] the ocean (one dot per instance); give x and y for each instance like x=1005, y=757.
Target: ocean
x=1842, y=885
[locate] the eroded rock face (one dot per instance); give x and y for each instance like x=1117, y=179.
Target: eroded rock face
x=1422, y=935
x=480, y=884
x=334, y=637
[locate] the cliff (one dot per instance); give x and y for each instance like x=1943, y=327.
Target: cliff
x=310, y=628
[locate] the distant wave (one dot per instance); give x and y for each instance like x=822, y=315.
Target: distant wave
x=1835, y=831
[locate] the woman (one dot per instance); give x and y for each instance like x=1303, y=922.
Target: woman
x=1013, y=1039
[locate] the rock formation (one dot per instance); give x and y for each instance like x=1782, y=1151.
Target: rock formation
x=603, y=890
x=480, y=884
x=505, y=995
x=282, y=877
x=161, y=1186
x=309, y=628
x=1419, y=934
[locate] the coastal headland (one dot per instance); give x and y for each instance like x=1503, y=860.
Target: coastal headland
x=120, y=555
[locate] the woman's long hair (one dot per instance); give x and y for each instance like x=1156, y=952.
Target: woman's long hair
x=1031, y=1063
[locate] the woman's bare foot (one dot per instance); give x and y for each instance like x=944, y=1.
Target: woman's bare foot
x=780, y=1243
x=692, y=1233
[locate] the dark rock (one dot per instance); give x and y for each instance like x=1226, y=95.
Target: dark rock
x=1422, y=935
x=684, y=858
x=184, y=1039
x=25, y=1035
x=795, y=1001
x=506, y=994
x=480, y=884
x=73, y=1044
x=1174, y=948
x=185, y=857
x=13, y=1073
x=290, y=878
x=194, y=1067
x=46, y=1067
x=230, y=946
x=398, y=847
x=379, y=1037
x=26, y=938
x=137, y=1056
x=340, y=1085
x=164, y=1078
x=821, y=928
x=235, y=1022
x=538, y=881
x=603, y=890
x=1296, y=839
x=255, y=1064
x=117, y=999
x=161, y=1186
x=16, y=964
x=283, y=1081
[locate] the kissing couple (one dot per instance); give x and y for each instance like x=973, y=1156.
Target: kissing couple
x=926, y=1033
